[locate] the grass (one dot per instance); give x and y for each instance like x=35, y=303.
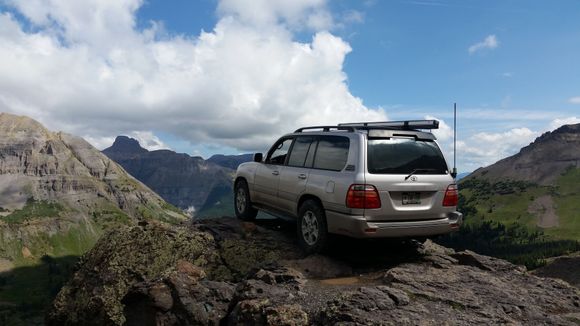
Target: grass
x=567, y=199
x=27, y=290
x=111, y=217
x=32, y=210
x=169, y=207
x=509, y=202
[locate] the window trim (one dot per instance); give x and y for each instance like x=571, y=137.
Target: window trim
x=273, y=149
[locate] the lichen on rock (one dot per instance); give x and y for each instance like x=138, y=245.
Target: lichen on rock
x=159, y=275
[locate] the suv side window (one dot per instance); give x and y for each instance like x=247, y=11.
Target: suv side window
x=279, y=151
x=300, y=150
x=332, y=153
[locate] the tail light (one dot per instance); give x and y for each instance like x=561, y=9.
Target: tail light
x=363, y=196
x=451, y=196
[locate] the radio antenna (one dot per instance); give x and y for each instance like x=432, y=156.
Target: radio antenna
x=454, y=140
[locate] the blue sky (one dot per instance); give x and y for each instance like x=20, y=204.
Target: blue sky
x=414, y=53
x=512, y=67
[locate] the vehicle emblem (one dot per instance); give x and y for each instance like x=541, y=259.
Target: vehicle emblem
x=413, y=178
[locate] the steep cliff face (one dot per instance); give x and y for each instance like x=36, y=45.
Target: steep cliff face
x=224, y=272
x=180, y=179
x=39, y=165
x=541, y=162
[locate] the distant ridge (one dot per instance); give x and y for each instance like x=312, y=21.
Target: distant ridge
x=180, y=179
x=541, y=162
x=230, y=161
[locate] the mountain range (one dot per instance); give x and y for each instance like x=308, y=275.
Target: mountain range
x=204, y=187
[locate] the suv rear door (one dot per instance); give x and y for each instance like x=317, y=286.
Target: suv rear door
x=411, y=176
x=294, y=176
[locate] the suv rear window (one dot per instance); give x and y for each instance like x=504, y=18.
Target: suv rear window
x=332, y=153
x=405, y=155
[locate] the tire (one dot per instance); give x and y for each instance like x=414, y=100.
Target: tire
x=311, y=227
x=242, y=203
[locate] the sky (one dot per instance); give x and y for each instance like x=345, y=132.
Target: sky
x=231, y=76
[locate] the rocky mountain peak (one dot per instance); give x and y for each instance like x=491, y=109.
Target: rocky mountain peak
x=125, y=144
x=14, y=126
x=541, y=162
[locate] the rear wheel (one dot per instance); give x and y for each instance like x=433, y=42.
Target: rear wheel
x=242, y=202
x=311, y=227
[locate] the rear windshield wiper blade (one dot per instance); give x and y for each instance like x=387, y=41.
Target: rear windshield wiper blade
x=419, y=170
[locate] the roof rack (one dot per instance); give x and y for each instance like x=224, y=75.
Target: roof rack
x=403, y=125
x=327, y=128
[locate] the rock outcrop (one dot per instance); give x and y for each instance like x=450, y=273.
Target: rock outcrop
x=228, y=272
x=566, y=268
x=180, y=179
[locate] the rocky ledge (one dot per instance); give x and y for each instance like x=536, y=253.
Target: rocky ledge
x=223, y=271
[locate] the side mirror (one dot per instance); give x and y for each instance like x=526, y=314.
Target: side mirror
x=258, y=157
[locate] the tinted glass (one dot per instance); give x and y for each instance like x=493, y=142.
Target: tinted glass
x=311, y=152
x=299, y=151
x=332, y=153
x=278, y=154
x=405, y=155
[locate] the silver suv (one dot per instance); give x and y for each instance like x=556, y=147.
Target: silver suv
x=364, y=180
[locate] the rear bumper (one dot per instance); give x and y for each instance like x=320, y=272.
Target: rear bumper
x=359, y=227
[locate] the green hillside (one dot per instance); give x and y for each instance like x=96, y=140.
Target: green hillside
x=510, y=202
x=504, y=219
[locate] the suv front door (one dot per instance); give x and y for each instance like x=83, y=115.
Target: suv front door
x=268, y=174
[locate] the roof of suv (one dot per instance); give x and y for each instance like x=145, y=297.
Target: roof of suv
x=409, y=128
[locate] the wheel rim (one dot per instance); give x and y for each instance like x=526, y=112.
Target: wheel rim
x=241, y=200
x=309, y=228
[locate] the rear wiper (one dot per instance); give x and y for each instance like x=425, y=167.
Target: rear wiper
x=419, y=170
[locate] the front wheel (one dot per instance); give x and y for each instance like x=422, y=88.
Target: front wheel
x=242, y=203
x=311, y=227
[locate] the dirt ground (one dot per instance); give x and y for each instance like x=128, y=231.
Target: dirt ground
x=543, y=208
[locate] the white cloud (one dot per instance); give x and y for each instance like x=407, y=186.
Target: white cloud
x=445, y=132
x=100, y=142
x=490, y=42
x=557, y=123
x=574, y=100
x=148, y=140
x=508, y=74
x=482, y=149
x=353, y=16
x=84, y=68
x=295, y=13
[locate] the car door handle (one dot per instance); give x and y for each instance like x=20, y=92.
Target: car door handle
x=302, y=176
x=275, y=172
